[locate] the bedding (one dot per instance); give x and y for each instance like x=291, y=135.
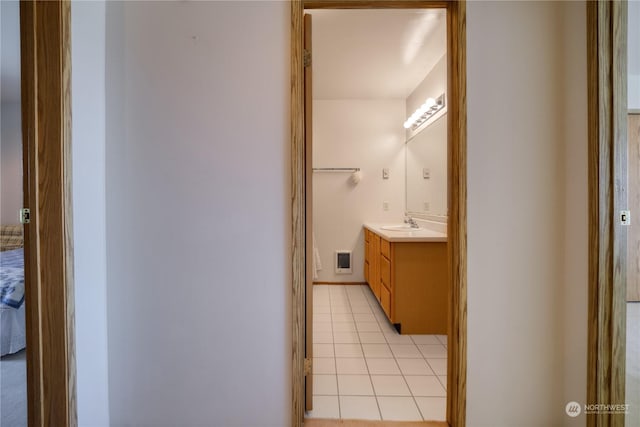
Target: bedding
x=12, y=315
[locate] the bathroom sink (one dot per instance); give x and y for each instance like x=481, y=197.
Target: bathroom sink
x=403, y=227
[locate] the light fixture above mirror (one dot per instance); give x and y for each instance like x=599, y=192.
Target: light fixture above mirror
x=425, y=112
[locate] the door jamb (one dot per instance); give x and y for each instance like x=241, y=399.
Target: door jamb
x=457, y=189
x=607, y=106
x=45, y=28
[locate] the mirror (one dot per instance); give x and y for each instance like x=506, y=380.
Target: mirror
x=426, y=170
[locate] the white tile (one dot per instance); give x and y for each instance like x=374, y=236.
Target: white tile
x=344, y=326
x=323, y=338
x=346, y=308
x=321, y=317
x=342, y=317
x=359, y=408
x=325, y=384
x=390, y=385
x=414, y=367
x=361, y=308
x=405, y=351
x=372, y=338
x=322, y=327
x=324, y=407
x=355, y=385
x=425, y=339
x=443, y=380
x=348, y=350
x=351, y=365
x=376, y=350
x=345, y=337
x=368, y=326
x=439, y=366
x=433, y=408
x=383, y=366
x=442, y=339
x=388, y=328
x=396, y=338
x=324, y=365
x=425, y=386
x=323, y=350
x=433, y=351
x=399, y=409
x=364, y=317
x=321, y=309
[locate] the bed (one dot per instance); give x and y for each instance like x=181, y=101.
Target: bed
x=12, y=314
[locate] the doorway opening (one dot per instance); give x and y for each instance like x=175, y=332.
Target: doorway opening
x=378, y=341
x=454, y=334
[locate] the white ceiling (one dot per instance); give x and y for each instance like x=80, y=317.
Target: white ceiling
x=366, y=54
x=9, y=51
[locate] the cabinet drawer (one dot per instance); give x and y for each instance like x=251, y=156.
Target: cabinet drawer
x=385, y=271
x=385, y=248
x=385, y=300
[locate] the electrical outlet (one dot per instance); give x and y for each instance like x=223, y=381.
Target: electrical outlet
x=426, y=173
x=385, y=206
x=385, y=173
x=425, y=206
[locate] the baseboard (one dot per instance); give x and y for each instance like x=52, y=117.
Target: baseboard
x=339, y=283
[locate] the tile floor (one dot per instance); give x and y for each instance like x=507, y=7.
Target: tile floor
x=364, y=369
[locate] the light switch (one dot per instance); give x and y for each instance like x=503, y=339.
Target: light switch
x=426, y=173
x=385, y=173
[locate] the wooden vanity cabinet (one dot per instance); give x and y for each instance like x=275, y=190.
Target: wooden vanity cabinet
x=409, y=280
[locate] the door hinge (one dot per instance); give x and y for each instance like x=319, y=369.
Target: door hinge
x=308, y=365
x=306, y=57
x=625, y=217
x=25, y=216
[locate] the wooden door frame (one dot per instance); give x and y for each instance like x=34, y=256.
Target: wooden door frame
x=457, y=189
x=45, y=28
x=607, y=106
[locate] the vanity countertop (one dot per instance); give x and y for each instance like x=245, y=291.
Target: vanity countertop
x=420, y=235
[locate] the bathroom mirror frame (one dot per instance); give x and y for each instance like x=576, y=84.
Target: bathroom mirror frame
x=457, y=196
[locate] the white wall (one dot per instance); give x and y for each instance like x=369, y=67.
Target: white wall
x=633, y=87
x=365, y=134
x=198, y=213
x=89, y=228
x=10, y=162
x=527, y=216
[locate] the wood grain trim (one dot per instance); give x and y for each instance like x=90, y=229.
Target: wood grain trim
x=374, y=4
x=46, y=104
x=341, y=283
x=456, y=22
x=457, y=242
x=297, y=214
x=606, y=50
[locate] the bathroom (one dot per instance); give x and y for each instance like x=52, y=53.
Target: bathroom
x=379, y=186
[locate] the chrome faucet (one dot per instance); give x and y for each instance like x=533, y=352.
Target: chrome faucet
x=412, y=222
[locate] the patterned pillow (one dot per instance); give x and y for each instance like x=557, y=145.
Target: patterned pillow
x=11, y=237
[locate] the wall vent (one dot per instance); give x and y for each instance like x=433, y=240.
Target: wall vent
x=343, y=262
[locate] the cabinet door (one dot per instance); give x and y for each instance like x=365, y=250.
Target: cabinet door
x=385, y=301
x=375, y=265
x=385, y=272
x=367, y=256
